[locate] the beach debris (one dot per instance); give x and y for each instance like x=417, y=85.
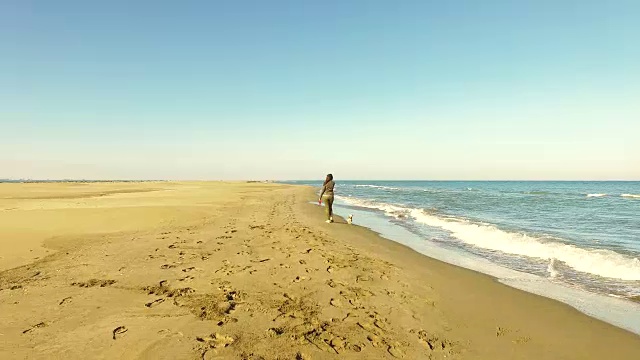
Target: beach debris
x=119, y=331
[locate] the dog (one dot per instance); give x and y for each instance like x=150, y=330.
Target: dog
x=350, y=219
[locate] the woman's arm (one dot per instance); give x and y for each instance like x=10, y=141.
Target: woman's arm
x=324, y=188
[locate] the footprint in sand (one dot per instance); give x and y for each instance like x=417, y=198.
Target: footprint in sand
x=227, y=320
x=117, y=332
x=360, y=278
x=394, y=350
x=274, y=331
x=187, y=278
x=215, y=341
x=435, y=343
x=167, y=266
x=65, y=300
x=154, y=303
x=94, y=282
x=168, y=332
x=374, y=340
x=36, y=326
x=370, y=328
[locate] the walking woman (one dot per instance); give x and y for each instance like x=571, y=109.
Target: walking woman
x=327, y=196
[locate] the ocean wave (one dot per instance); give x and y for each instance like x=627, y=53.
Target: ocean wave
x=601, y=262
x=395, y=211
x=596, y=195
x=378, y=187
x=631, y=196
x=538, y=192
x=605, y=263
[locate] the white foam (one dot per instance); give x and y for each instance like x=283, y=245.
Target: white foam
x=631, y=196
x=389, y=210
x=378, y=187
x=601, y=262
x=596, y=195
x=605, y=263
x=553, y=273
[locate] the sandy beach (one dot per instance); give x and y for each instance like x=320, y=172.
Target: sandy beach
x=217, y=270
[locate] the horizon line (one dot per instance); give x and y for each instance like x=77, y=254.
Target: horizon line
x=288, y=180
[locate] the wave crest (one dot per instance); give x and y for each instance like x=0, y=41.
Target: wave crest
x=605, y=263
x=601, y=262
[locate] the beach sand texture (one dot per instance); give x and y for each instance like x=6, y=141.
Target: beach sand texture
x=216, y=270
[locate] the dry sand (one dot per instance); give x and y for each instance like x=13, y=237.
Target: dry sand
x=250, y=271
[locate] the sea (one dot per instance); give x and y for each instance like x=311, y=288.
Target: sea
x=576, y=242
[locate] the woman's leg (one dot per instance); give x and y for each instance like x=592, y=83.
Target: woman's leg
x=330, y=207
x=327, y=206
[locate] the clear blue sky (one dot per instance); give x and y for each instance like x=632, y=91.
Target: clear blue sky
x=295, y=89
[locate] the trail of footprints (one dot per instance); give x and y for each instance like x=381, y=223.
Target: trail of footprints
x=297, y=315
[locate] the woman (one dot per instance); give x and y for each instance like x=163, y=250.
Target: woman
x=327, y=196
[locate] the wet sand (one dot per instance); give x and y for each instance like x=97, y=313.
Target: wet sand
x=250, y=271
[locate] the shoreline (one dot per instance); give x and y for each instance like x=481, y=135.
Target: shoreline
x=250, y=270
x=615, y=310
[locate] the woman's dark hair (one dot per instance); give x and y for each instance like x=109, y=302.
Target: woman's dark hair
x=329, y=178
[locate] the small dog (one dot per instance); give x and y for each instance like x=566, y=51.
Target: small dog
x=350, y=219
